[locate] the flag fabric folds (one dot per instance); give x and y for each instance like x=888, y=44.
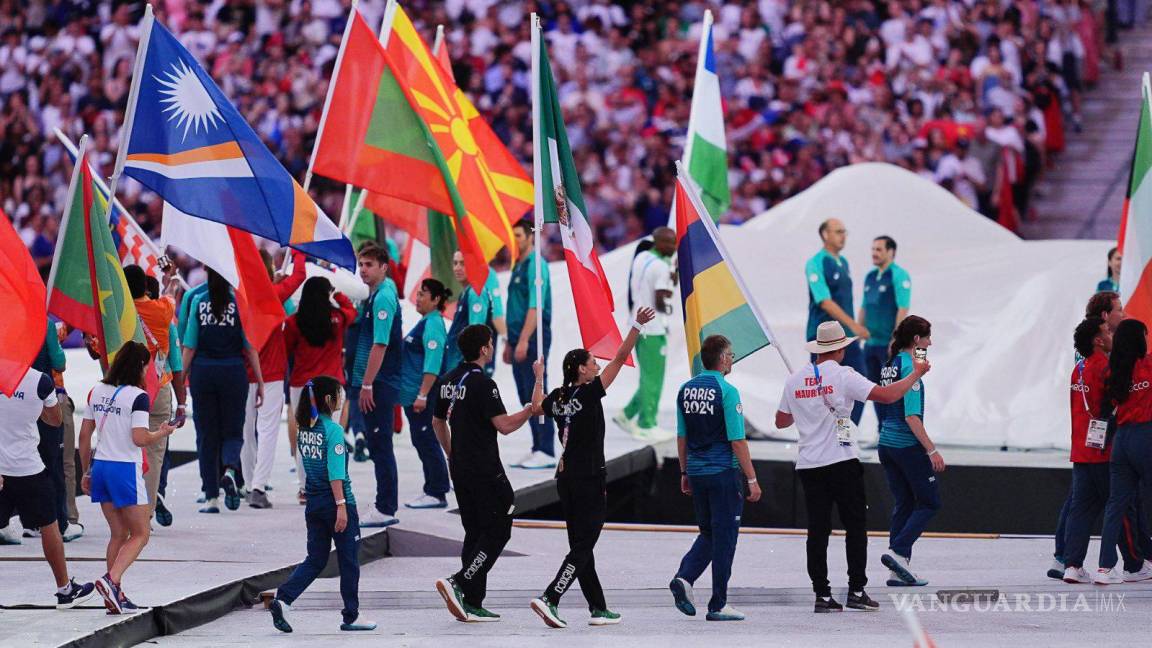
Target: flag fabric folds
x=86, y=287
x=712, y=294
x=560, y=200
x=706, y=147
x=23, y=295
x=184, y=140
x=232, y=253
x=1136, y=225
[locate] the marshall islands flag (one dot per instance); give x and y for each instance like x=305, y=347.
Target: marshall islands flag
x=713, y=296
x=184, y=140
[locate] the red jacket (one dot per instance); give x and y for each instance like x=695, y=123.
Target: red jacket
x=310, y=361
x=1138, y=407
x=273, y=359
x=1092, y=392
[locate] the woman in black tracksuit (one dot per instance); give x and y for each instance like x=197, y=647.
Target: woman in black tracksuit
x=580, y=474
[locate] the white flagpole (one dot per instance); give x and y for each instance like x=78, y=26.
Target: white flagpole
x=386, y=23
x=438, y=42
x=707, y=220
x=701, y=53
x=133, y=98
x=538, y=203
x=72, y=183
x=114, y=202
x=328, y=96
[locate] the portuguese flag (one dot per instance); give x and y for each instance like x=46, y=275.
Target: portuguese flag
x=86, y=287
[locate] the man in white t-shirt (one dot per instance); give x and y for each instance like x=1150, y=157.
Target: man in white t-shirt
x=819, y=399
x=650, y=284
x=25, y=488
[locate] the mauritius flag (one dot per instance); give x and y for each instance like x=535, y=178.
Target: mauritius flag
x=86, y=286
x=560, y=200
x=713, y=296
x=1136, y=225
x=184, y=140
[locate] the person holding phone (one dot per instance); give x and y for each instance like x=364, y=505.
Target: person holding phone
x=581, y=475
x=909, y=457
x=114, y=471
x=330, y=512
x=714, y=468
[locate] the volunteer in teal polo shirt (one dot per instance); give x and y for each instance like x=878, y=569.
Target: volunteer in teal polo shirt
x=887, y=298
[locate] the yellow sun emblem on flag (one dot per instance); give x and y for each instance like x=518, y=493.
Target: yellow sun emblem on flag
x=450, y=115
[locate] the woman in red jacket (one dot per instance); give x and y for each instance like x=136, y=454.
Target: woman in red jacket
x=314, y=336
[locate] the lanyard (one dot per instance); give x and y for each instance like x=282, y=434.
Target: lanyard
x=455, y=391
x=111, y=402
x=1080, y=381
x=823, y=394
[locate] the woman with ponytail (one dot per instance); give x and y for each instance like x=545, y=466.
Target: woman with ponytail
x=1128, y=388
x=909, y=457
x=580, y=474
x=420, y=364
x=215, y=349
x=330, y=511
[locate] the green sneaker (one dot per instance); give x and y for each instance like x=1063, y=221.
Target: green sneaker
x=480, y=615
x=548, y=613
x=453, y=597
x=603, y=618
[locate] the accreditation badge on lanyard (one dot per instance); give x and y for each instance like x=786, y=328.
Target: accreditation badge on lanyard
x=843, y=423
x=1097, y=435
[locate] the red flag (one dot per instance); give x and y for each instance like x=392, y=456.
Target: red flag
x=25, y=308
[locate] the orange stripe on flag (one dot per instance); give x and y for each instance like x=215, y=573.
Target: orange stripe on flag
x=304, y=216
x=225, y=151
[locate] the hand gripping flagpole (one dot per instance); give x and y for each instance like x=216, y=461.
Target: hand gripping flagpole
x=706, y=219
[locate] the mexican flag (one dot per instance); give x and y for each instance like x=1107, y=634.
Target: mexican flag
x=705, y=147
x=1136, y=225
x=86, y=286
x=560, y=200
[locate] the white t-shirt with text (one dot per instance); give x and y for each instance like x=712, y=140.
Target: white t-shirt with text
x=116, y=413
x=650, y=273
x=19, y=436
x=808, y=400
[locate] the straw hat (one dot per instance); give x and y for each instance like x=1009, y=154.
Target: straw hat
x=829, y=337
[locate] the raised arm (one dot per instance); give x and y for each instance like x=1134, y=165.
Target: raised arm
x=608, y=375
x=891, y=393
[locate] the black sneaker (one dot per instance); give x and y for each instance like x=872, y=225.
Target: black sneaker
x=826, y=604
x=76, y=595
x=862, y=602
x=163, y=515
x=360, y=455
x=231, y=493
x=280, y=611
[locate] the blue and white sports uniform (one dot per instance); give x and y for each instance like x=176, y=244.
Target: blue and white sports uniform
x=119, y=465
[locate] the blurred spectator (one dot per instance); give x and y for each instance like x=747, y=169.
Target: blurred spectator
x=808, y=86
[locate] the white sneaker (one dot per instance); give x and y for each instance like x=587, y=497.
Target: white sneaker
x=375, y=519
x=73, y=531
x=1135, y=577
x=13, y=534
x=538, y=461
x=654, y=433
x=427, y=502
x=1075, y=575
x=625, y=423
x=31, y=533
x=1107, y=577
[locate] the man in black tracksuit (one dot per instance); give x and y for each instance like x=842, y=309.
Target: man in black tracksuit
x=469, y=413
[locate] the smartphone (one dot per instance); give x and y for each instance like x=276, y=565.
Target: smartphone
x=920, y=354
x=178, y=420
x=164, y=262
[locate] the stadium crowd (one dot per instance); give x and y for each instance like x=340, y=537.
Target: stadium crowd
x=974, y=94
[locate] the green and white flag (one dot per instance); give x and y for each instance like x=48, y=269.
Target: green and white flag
x=706, y=147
